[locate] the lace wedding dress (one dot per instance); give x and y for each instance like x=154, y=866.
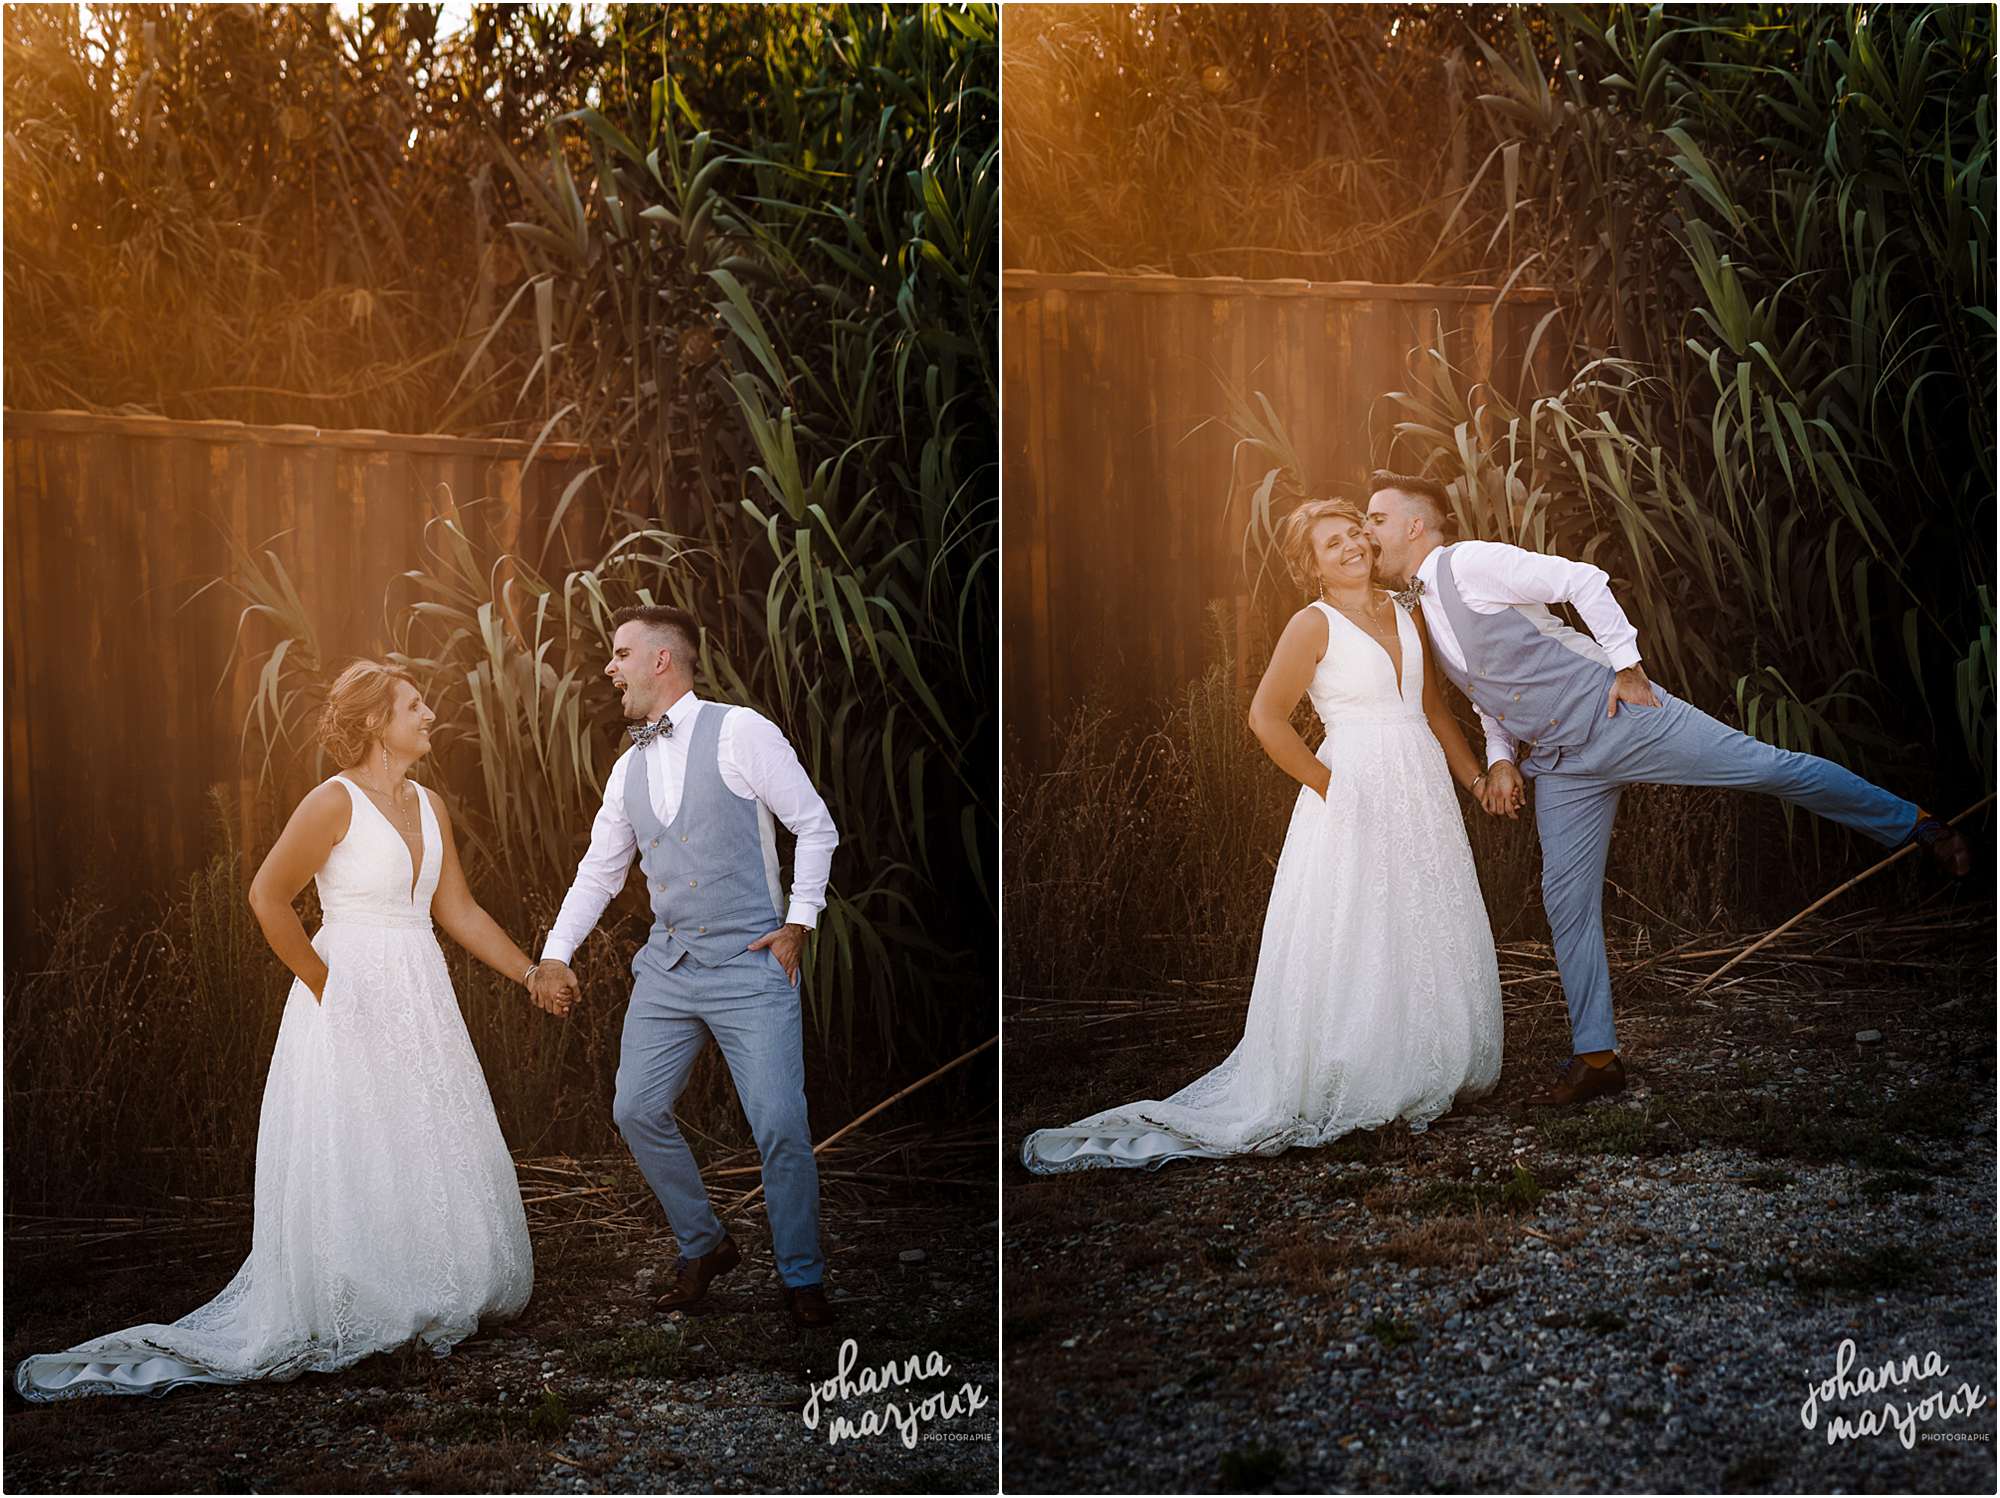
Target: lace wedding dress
x=387, y=1208
x=1377, y=993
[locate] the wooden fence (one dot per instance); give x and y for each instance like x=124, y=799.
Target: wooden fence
x=1122, y=500
x=119, y=717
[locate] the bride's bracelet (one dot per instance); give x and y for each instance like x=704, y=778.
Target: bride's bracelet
x=1473, y=789
x=529, y=976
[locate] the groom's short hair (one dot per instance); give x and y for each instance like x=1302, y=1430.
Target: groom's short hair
x=1418, y=487
x=684, y=633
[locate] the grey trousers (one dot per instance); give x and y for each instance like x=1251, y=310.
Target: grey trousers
x=752, y=1011
x=1576, y=797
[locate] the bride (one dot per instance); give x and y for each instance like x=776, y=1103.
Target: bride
x=387, y=1209
x=1377, y=994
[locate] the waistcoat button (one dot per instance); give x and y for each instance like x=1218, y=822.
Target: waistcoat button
x=1552, y=722
x=1503, y=717
x=654, y=843
x=703, y=931
x=684, y=837
x=690, y=884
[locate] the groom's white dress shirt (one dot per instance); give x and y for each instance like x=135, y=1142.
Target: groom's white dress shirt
x=1492, y=576
x=757, y=762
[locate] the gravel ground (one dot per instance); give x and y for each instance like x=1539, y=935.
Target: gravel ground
x=1630, y=1298
x=588, y=1391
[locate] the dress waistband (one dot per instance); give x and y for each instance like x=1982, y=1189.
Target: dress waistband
x=1351, y=720
x=415, y=921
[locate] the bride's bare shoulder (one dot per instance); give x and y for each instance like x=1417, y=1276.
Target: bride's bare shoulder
x=1304, y=637
x=1310, y=617
x=329, y=806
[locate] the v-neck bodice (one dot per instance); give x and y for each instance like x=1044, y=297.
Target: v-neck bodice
x=370, y=876
x=1356, y=680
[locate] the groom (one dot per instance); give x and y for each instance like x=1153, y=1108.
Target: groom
x=694, y=797
x=1578, y=715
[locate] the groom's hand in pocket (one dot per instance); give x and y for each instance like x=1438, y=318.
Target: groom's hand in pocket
x=1631, y=688
x=786, y=944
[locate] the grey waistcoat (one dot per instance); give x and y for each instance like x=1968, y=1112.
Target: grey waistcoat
x=1540, y=690
x=705, y=872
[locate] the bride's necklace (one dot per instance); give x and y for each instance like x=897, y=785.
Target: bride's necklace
x=404, y=807
x=1369, y=619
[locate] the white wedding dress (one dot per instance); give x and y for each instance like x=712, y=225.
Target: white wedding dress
x=387, y=1208
x=1377, y=993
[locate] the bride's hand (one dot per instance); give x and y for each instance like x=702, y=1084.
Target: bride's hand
x=553, y=987
x=1504, y=790
x=318, y=990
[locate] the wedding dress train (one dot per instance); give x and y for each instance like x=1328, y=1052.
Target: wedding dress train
x=1377, y=992
x=387, y=1207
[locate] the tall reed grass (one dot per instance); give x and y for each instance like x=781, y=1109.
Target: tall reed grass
x=778, y=325
x=1769, y=231
x=271, y=212
x=1771, y=234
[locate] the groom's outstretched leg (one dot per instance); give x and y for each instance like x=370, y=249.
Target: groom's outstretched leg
x=1679, y=744
x=1574, y=814
x=658, y=1052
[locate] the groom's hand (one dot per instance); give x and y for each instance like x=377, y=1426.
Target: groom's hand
x=1504, y=790
x=1632, y=689
x=786, y=943
x=554, y=988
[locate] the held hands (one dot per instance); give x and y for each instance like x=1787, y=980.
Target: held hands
x=1502, y=792
x=786, y=944
x=1632, y=689
x=553, y=987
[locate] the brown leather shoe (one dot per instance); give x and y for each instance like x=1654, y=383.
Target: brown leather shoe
x=807, y=1303
x=1579, y=1082
x=1945, y=844
x=693, y=1276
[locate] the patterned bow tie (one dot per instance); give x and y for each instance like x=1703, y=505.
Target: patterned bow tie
x=644, y=733
x=1410, y=596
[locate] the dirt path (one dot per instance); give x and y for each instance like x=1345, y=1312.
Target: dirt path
x=588, y=1391
x=1632, y=1298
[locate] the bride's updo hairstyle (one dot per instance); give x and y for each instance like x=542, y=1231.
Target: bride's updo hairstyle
x=1295, y=538
x=357, y=706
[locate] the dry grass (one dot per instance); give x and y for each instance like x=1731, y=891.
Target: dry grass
x=1439, y=1242
x=1311, y=1261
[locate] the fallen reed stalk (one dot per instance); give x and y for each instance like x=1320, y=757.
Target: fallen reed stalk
x=1828, y=898
x=987, y=1044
